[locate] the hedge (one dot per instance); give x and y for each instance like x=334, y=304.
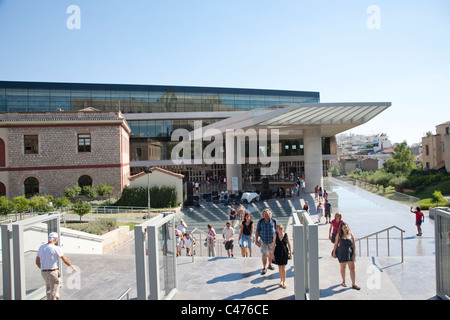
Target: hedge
x=160, y=197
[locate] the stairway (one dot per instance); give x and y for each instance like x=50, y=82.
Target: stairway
x=218, y=214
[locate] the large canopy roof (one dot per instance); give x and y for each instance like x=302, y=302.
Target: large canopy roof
x=292, y=119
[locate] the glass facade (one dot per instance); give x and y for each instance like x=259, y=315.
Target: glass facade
x=151, y=133
x=41, y=96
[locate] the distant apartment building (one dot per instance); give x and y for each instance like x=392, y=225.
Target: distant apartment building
x=366, y=152
x=436, y=148
x=47, y=152
x=355, y=144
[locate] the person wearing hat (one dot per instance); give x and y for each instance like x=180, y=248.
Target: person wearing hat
x=47, y=259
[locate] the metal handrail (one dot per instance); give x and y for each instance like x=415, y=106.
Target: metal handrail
x=200, y=241
x=376, y=235
x=126, y=293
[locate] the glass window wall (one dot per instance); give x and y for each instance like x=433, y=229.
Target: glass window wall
x=27, y=97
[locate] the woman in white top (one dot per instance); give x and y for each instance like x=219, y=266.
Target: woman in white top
x=319, y=212
x=182, y=226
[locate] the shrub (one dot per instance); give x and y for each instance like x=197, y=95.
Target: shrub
x=97, y=227
x=62, y=202
x=160, y=197
x=335, y=171
x=438, y=197
x=72, y=192
x=88, y=191
x=101, y=226
x=103, y=190
x=41, y=203
x=5, y=206
x=20, y=204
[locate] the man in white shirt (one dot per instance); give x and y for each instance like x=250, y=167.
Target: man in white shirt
x=228, y=234
x=188, y=242
x=182, y=226
x=47, y=259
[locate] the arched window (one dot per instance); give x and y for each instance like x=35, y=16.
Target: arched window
x=2, y=189
x=31, y=187
x=85, y=181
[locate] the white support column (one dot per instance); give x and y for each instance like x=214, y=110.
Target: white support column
x=312, y=139
x=233, y=166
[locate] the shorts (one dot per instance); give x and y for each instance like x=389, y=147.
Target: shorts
x=245, y=241
x=266, y=248
x=232, y=217
x=418, y=222
x=229, y=245
x=327, y=214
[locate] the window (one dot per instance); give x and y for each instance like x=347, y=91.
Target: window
x=31, y=144
x=84, y=181
x=84, y=142
x=427, y=150
x=31, y=187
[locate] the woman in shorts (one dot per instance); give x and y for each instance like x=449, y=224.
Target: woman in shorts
x=246, y=235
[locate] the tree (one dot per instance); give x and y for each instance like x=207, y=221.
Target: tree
x=62, y=202
x=20, y=204
x=402, y=162
x=81, y=208
x=5, y=206
x=41, y=203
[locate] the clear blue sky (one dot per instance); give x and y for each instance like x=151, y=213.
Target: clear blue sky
x=320, y=45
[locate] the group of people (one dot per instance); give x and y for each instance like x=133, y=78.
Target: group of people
x=269, y=236
x=184, y=239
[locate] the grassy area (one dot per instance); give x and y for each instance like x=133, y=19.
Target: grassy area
x=425, y=193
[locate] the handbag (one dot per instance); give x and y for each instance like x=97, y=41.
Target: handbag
x=334, y=256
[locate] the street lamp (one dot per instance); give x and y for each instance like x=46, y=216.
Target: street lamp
x=147, y=170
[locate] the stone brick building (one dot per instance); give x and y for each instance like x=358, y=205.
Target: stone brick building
x=47, y=152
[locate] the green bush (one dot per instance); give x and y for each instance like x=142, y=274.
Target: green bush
x=98, y=227
x=41, y=203
x=72, y=192
x=20, y=204
x=335, y=171
x=399, y=183
x=103, y=189
x=62, y=202
x=160, y=197
x=88, y=191
x=423, y=178
x=5, y=206
x=438, y=197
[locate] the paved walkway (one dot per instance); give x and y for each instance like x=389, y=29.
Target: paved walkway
x=380, y=278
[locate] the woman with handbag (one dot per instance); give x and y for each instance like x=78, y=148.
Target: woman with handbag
x=281, y=252
x=345, y=251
